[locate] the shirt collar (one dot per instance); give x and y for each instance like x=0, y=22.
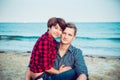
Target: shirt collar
x=69, y=49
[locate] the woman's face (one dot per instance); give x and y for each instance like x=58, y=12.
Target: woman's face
x=55, y=31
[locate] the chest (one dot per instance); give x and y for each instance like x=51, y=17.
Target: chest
x=66, y=59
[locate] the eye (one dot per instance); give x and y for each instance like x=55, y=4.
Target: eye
x=61, y=30
x=56, y=27
x=70, y=34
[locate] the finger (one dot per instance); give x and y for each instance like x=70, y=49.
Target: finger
x=62, y=66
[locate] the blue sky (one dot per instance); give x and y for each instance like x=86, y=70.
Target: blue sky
x=70, y=10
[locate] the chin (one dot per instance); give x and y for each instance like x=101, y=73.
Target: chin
x=55, y=36
x=64, y=42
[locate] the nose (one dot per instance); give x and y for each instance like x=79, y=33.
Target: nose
x=66, y=35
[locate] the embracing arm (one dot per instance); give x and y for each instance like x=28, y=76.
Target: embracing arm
x=30, y=74
x=62, y=68
x=53, y=71
x=27, y=74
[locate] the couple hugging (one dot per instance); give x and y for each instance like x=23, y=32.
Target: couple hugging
x=52, y=60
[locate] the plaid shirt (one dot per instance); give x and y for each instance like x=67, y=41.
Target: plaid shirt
x=43, y=54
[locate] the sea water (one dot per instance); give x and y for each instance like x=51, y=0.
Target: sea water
x=93, y=38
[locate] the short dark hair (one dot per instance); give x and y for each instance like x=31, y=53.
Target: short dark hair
x=72, y=25
x=54, y=21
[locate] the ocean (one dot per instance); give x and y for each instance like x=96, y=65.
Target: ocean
x=93, y=38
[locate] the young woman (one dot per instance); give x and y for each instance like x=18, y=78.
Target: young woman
x=44, y=51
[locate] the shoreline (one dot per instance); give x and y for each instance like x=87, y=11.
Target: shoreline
x=29, y=52
x=13, y=66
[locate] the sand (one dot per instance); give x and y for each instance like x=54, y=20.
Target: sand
x=13, y=66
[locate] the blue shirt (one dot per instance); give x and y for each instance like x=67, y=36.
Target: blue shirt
x=74, y=58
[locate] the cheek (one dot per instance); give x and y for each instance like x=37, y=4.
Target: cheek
x=54, y=31
x=60, y=32
x=72, y=39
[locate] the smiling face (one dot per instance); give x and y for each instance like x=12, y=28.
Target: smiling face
x=55, y=31
x=68, y=35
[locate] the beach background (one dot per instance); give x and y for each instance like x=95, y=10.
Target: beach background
x=99, y=41
x=94, y=38
x=98, y=36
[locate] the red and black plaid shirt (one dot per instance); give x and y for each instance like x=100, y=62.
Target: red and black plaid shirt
x=43, y=54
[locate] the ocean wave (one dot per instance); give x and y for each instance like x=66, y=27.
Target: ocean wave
x=101, y=47
x=19, y=37
x=99, y=38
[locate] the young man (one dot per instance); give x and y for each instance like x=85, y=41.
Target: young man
x=69, y=60
x=70, y=56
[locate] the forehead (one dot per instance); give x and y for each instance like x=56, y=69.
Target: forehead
x=57, y=25
x=69, y=30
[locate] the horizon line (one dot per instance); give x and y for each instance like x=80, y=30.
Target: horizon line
x=46, y=22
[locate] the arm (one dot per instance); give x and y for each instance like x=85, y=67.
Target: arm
x=80, y=66
x=49, y=58
x=28, y=74
x=61, y=69
x=64, y=68
x=53, y=71
x=41, y=56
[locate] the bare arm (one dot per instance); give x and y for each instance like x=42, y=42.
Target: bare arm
x=64, y=68
x=53, y=71
x=28, y=74
x=61, y=69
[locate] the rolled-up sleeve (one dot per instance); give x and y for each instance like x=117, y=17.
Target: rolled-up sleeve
x=80, y=66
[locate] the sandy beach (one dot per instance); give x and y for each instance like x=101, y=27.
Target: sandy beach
x=13, y=66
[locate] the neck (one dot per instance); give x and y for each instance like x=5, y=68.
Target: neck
x=50, y=35
x=64, y=47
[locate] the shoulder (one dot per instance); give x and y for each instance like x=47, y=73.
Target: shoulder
x=43, y=37
x=75, y=50
x=42, y=40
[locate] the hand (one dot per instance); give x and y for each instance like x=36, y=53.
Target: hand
x=64, y=68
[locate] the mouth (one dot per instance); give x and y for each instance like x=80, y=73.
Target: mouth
x=65, y=39
x=57, y=35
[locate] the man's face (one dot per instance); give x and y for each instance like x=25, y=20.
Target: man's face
x=67, y=36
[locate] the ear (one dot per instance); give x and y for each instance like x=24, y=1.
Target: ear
x=48, y=28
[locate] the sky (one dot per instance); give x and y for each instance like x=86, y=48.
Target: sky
x=70, y=10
